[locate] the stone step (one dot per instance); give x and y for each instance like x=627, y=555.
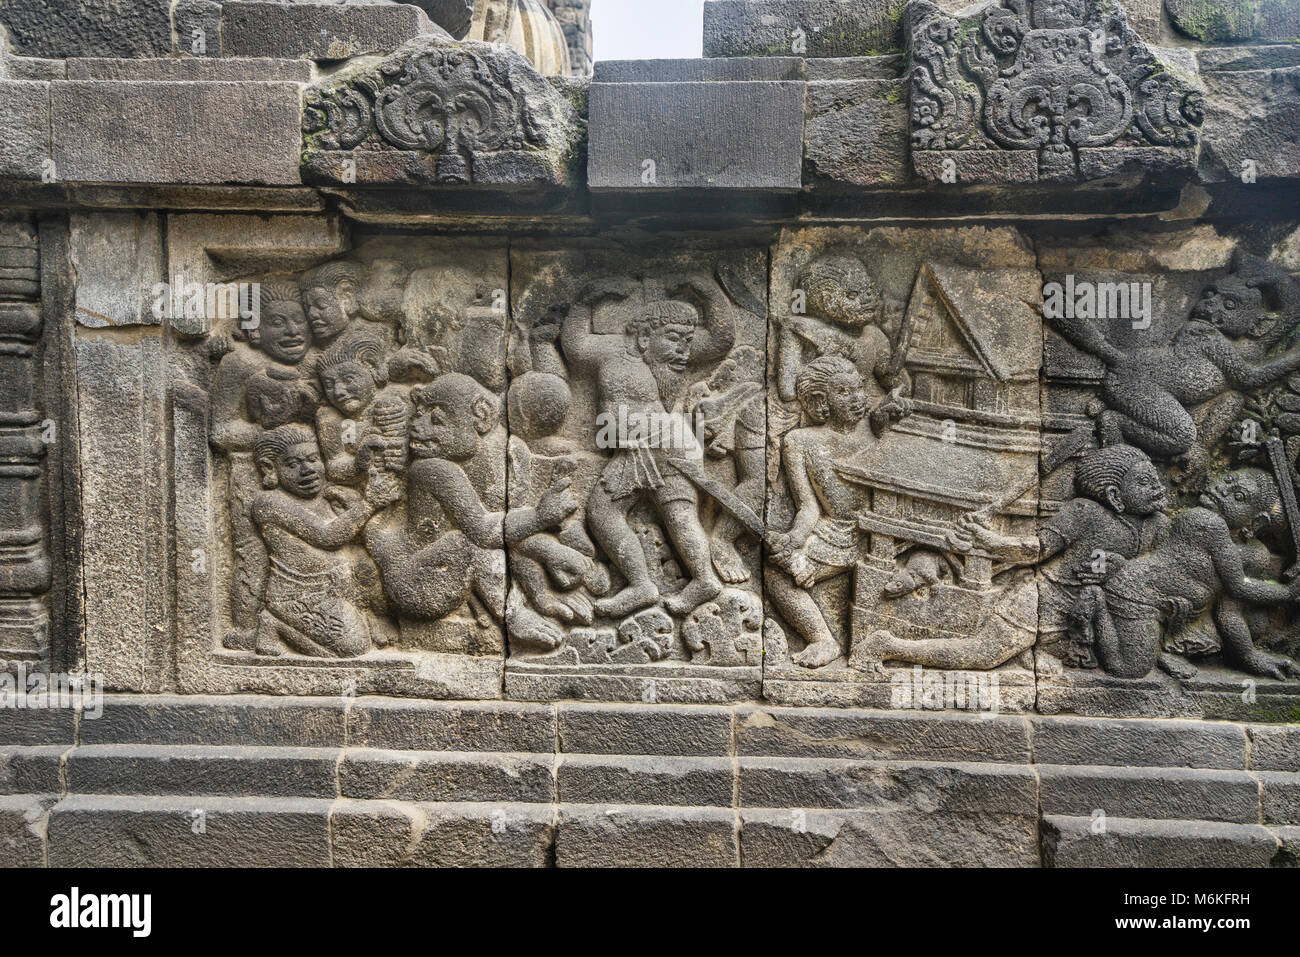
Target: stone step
x=1163, y=793
x=1072, y=841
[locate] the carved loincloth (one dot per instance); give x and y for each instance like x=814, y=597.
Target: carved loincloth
x=310, y=604
x=834, y=542
x=638, y=469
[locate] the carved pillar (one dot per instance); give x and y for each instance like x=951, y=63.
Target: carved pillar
x=24, y=557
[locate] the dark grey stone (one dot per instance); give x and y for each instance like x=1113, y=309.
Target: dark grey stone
x=604, y=836
x=24, y=726
x=720, y=70
x=857, y=133
x=1251, y=115
x=741, y=135
x=1125, y=842
x=224, y=771
x=596, y=779
x=1138, y=743
x=886, y=838
x=867, y=735
x=1234, y=20
x=31, y=770
x=1279, y=795
x=211, y=720
x=1235, y=59
x=1274, y=748
x=916, y=788
x=68, y=28
x=381, y=834
x=319, y=31
x=629, y=729
x=24, y=128
x=22, y=837
x=191, y=69
x=829, y=28
x=136, y=831
x=121, y=132
x=1158, y=793
x=388, y=723
x=447, y=776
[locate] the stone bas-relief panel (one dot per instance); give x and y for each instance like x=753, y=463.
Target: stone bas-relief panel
x=637, y=420
x=903, y=405
x=1169, y=539
x=358, y=479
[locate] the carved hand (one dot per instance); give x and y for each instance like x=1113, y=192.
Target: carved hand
x=557, y=503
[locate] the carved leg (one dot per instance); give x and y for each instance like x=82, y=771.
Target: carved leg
x=682, y=521
x=1150, y=419
x=1239, y=648
x=802, y=614
x=607, y=520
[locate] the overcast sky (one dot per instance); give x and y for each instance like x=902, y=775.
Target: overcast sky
x=646, y=29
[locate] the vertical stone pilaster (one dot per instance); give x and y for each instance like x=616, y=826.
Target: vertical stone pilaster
x=25, y=571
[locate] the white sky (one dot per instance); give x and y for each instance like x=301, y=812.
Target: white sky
x=647, y=29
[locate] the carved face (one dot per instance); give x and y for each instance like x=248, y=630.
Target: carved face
x=840, y=290
x=330, y=310
x=1235, y=311
x=300, y=470
x=846, y=399
x=1141, y=492
x=349, y=386
x=451, y=416
x=1235, y=497
x=284, y=334
x=669, y=346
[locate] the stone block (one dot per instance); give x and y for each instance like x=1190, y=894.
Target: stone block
x=319, y=31
x=137, y=831
x=1138, y=743
x=734, y=135
x=119, y=261
x=386, y=723
x=32, y=770
x=1274, y=748
x=1127, y=842
x=203, y=770
x=25, y=129
x=23, y=726
x=866, y=735
x=191, y=69
x=384, y=834
x=813, y=28
x=249, y=721
x=1157, y=793
x=1250, y=121
x=1279, y=795
x=856, y=133
x=1228, y=21
x=616, y=729
x=163, y=132
x=22, y=829
x=70, y=28
x=605, y=836
x=886, y=838
x=672, y=781
x=447, y=776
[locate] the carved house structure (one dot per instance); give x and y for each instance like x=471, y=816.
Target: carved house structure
x=894, y=411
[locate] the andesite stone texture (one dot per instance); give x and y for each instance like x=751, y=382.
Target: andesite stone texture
x=874, y=443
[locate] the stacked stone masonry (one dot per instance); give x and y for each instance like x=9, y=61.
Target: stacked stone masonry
x=880, y=431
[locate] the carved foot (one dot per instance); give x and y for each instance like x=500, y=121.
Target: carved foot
x=693, y=596
x=819, y=654
x=1271, y=666
x=529, y=628
x=728, y=563
x=240, y=639
x=1048, y=664
x=630, y=599
x=1177, y=667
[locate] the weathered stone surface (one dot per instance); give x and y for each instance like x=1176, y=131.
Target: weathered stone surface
x=110, y=831
x=886, y=838
x=381, y=834
x=1274, y=749
x=25, y=129
x=1076, y=842
x=247, y=721
x=922, y=788
x=447, y=776
x=218, y=771
x=832, y=733
x=718, y=70
x=1163, y=744
x=421, y=726
x=1157, y=793
x=232, y=69
x=1232, y=20
x=856, y=133
x=68, y=28
x=603, y=836
x=31, y=770
x=163, y=132
x=711, y=135
x=37, y=726
x=1279, y=795
x=672, y=781
x=22, y=830
x=319, y=31
x=1250, y=122
x=1232, y=59
x=814, y=28
x=119, y=262
x=621, y=729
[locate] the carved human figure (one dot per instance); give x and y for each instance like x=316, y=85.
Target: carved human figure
x=639, y=375
x=1198, y=567
x=823, y=542
x=279, y=391
x=452, y=543
x=364, y=424
x=1149, y=391
x=304, y=522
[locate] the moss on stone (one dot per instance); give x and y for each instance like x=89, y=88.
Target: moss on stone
x=1214, y=21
